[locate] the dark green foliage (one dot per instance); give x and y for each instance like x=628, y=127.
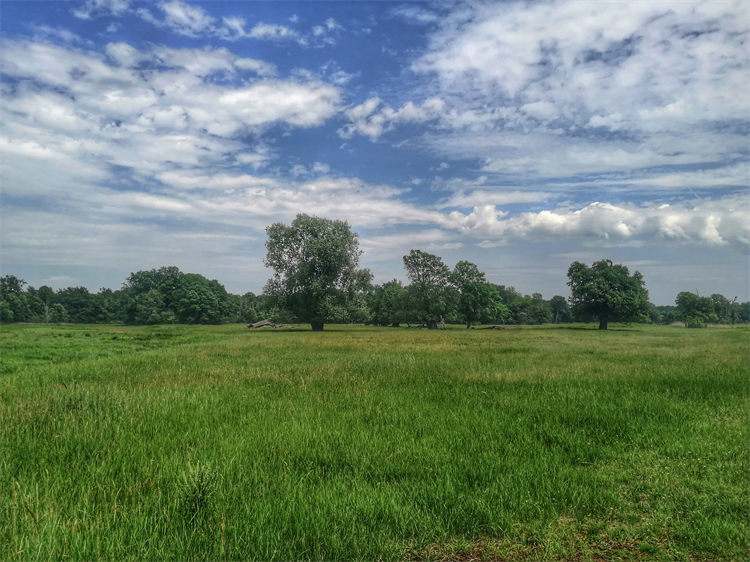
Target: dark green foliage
x=81, y=305
x=389, y=304
x=695, y=311
x=608, y=293
x=315, y=263
x=14, y=304
x=532, y=310
x=432, y=296
x=58, y=313
x=560, y=310
x=478, y=300
x=166, y=295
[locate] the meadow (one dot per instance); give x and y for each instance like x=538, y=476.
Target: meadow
x=364, y=443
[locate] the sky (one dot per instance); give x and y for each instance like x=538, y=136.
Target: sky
x=519, y=136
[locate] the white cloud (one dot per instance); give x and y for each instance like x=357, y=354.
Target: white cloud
x=93, y=8
x=540, y=88
x=713, y=223
x=482, y=197
x=193, y=21
x=271, y=32
x=542, y=110
x=372, y=120
x=416, y=14
x=186, y=19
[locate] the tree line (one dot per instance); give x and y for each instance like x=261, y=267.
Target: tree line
x=317, y=280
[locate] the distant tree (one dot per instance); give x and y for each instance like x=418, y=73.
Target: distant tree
x=532, y=310
x=513, y=300
x=148, y=308
x=501, y=314
x=82, y=306
x=654, y=314
x=722, y=308
x=695, y=311
x=13, y=304
x=58, y=313
x=197, y=300
x=608, y=293
x=477, y=298
x=47, y=296
x=6, y=312
x=248, y=308
x=560, y=310
x=315, y=263
x=741, y=312
x=431, y=293
x=389, y=304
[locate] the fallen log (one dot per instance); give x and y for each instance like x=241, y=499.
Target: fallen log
x=262, y=323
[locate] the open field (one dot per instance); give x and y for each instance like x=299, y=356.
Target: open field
x=179, y=443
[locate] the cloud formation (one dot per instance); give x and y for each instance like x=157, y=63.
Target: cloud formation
x=568, y=88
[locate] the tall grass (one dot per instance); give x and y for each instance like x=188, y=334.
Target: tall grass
x=364, y=443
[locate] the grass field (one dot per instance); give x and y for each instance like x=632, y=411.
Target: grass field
x=198, y=443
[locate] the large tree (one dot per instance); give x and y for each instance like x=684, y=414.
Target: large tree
x=608, y=293
x=315, y=263
x=432, y=295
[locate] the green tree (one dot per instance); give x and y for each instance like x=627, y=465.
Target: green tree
x=15, y=306
x=722, y=308
x=560, y=309
x=477, y=298
x=389, y=304
x=197, y=300
x=58, y=313
x=513, y=301
x=82, y=306
x=432, y=295
x=148, y=308
x=608, y=293
x=532, y=310
x=695, y=311
x=315, y=263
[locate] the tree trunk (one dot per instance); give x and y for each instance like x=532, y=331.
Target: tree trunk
x=395, y=325
x=317, y=326
x=468, y=324
x=432, y=325
x=603, y=324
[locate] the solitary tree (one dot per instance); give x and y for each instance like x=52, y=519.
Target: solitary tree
x=315, y=264
x=608, y=293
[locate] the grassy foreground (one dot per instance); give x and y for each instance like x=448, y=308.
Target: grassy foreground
x=122, y=443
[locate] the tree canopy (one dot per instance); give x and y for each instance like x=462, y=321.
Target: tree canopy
x=608, y=293
x=316, y=276
x=433, y=296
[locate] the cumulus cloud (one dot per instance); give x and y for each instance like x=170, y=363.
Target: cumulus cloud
x=708, y=222
x=570, y=88
x=193, y=21
x=372, y=118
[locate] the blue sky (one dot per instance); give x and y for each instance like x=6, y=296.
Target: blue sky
x=520, y=136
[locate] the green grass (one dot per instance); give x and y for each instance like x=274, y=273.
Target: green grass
x=200, y=443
